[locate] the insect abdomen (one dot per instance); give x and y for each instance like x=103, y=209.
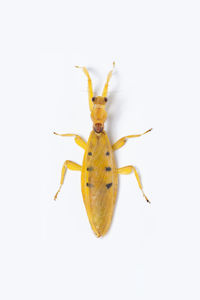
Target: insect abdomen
x=99, y=182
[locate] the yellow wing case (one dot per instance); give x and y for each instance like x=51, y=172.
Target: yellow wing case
x=99, y=181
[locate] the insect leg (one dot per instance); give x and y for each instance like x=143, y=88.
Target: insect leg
x=71, y=166
x=78, y=140
x=120, y=143
x=127, y=170
x=90, y=90
x=105, y=90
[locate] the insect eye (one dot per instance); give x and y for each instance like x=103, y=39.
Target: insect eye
x=93, y=99
x=105, y=99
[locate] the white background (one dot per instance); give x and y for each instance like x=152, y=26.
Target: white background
x=48, y=250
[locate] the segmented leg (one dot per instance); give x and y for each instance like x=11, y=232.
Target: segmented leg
x=120, y=143
x=79, y=141
x=90, y=90
x=127, y=170
x=71, y=166
x=105, y=90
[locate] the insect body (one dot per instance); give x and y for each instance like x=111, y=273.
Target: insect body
x=99, y=182
x=99, y=174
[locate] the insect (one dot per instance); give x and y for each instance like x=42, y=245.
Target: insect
x=99, y=174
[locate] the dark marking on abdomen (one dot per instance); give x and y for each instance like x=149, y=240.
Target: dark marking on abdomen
x=90, y=153
x=108, y=185
x=107, y=153
x=89, y=184
x=90, y=169
x=108, y=169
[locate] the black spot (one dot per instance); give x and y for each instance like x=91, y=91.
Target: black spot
x=108, y=185
x=105, y=99
x=90, y=153
x=93, y=99
x=90, y=169
x=89, y=184
x=108, y=169
x=107, y=153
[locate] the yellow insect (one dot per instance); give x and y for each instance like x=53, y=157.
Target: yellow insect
x=99, y=174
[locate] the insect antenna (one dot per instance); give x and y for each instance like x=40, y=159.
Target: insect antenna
x=105, y=90
x=90, y=89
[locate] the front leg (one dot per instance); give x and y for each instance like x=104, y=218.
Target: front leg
x=78, y=140
x=120, y=143
x=127, y=170
x=71, y=166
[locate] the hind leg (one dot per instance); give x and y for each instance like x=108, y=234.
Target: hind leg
x=71, y=166
x=129, y=169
